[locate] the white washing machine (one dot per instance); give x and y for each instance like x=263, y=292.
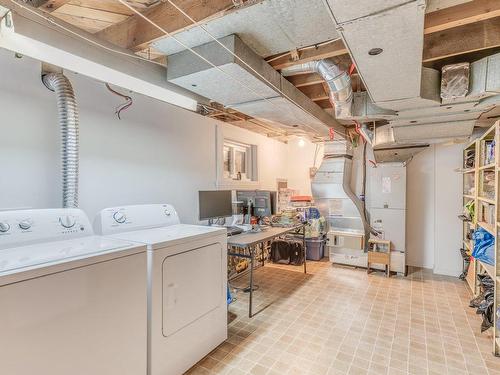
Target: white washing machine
x=70, y=302
x=187, y=276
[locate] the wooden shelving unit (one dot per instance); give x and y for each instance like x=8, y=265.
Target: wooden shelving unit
x=481, y=185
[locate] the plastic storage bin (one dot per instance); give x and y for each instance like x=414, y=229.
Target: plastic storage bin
x=315, y=248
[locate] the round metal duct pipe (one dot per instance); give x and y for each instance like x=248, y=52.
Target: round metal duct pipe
x=337, y=79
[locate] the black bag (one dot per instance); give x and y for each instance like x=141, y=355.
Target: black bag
x=287, y=252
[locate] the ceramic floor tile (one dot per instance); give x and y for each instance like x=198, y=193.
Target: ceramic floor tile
x=339, y=320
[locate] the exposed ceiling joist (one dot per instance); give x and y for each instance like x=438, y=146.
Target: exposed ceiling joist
x=315, y=92
x=335, y=48
x=301, y=80
x=463, y=14
x=136, y=34
x=460, y=40
x=53, y=5
x=470, y=13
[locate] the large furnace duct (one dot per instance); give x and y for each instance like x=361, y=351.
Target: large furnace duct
x=399, y=89
x=68, y=122
x=348, y=230
x=251, y=86
x=337, y=79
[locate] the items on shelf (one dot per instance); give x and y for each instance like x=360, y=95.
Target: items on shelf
x=486, y=213
x=466, y=263
x=469, y=210
x=489, y=152
x=469, y=159
x=484, y=246
x=469, y=183
x=484, y=302
x=487, y=189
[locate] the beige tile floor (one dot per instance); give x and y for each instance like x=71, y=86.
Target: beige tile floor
x=338, y=320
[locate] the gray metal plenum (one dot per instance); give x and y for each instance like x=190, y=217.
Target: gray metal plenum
x=248, y=84
x=269, y=27
x=333, y=194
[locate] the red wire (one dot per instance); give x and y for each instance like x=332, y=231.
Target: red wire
x=351, y=68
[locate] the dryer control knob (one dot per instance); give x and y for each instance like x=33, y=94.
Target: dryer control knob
x=4, y=227
x=119, y=217
x=67, y=221
x=167, y=212
x=25, y=224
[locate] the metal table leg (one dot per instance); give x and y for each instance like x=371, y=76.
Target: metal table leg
x=304, y=247
x=251, y=281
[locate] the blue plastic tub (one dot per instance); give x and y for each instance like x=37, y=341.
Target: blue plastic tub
x=315, y=248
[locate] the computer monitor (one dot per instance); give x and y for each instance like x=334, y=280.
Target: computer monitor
x=263, y=201
x=215, y=204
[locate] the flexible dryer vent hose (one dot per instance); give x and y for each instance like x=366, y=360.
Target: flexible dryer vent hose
x=68, y=122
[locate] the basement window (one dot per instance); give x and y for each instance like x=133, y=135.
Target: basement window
x=240, y=161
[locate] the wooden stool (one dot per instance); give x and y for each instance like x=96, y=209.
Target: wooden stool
x=379, y=251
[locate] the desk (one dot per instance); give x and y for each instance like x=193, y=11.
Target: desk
x=249, y=241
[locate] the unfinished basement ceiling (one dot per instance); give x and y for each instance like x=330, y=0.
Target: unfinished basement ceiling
x=282, y=31
x=269, y=27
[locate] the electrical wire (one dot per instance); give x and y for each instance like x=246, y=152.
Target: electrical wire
x=196, y=23
x=78, y=35
x=121, y=107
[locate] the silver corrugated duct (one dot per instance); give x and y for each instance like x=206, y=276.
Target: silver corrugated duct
x=68, y=122
x=337, y=79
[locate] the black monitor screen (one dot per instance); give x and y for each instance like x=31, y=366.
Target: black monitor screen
x=214, y=204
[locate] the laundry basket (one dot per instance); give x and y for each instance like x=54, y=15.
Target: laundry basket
x=315, y=248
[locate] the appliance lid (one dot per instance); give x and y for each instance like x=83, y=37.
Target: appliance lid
x=171, y=235
x=35, y=256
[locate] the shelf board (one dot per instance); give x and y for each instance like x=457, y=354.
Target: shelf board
x=490, y=228
x=470, y=170
x=468, y=245
x=488, y=166
x=490, y=270
x=487, y=200
x=469, y=196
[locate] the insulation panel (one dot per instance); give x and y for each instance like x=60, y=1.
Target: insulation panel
x=269, y=27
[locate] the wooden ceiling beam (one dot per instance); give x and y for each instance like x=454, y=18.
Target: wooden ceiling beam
x=459, y=15
x=315, y=92
x=135, y=33
x=448, y=18
x=307, y=79
x=53, y=5
x=335, y=48
x=460, y=40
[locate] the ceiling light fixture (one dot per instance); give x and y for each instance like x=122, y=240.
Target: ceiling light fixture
x=301, y=143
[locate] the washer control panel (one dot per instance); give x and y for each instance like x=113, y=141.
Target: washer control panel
x=127, y=218
x=18, y=228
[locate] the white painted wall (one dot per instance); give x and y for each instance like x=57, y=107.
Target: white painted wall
x=156, y=153
x=160, y=153
x=434, y=201
x=300, y=160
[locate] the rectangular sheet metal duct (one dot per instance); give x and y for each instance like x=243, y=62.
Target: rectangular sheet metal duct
x=248, y=84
